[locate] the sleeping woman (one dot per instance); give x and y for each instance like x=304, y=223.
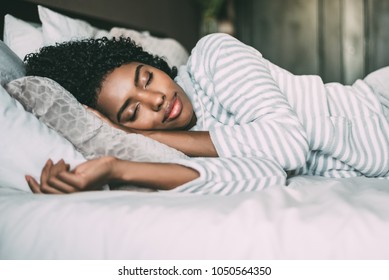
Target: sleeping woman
x=246, y=123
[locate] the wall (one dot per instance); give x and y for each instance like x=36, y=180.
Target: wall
x=341, y=40
x=179, y=19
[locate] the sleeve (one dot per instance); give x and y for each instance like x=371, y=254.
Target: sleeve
x=226, y=176
x=235, y=77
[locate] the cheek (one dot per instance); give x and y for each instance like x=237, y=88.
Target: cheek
x=188, y=107
x=145, y=121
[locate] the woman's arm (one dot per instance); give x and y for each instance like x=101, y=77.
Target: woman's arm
x=94, y=174
x=191, y=143
x=237, y=86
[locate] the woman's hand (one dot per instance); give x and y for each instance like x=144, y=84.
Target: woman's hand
x=49, y=172
x=94, y=174
x=58, y=179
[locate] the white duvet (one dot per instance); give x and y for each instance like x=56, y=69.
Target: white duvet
x=312, y=218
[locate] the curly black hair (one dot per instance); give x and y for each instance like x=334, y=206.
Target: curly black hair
x=81, y=66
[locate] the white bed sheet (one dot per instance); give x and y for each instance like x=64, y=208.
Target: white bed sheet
x=312, y=218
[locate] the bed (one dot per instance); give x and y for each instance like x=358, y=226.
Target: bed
x=310, y=218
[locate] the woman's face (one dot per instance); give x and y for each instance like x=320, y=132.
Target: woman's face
x=142, y=97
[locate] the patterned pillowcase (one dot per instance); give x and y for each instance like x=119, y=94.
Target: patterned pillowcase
x=58, y=109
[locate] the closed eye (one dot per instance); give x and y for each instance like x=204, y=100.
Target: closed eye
x=149, y=80
x=134, y=114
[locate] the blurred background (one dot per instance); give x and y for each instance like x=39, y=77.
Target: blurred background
x=341, y=40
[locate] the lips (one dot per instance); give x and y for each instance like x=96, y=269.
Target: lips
x=173, y=109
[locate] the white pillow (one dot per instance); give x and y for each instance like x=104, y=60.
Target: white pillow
x=22, y=37
x=168, y=48
x=58, y=28
x=26, y=144
x=11, y=66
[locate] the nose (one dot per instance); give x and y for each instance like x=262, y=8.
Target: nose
x=152, y=99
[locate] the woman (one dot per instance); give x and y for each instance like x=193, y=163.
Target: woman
x=252, y=120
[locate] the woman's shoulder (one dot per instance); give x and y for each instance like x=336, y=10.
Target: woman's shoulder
x=214, y=39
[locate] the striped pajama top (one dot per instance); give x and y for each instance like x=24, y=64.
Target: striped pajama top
x=266, y=123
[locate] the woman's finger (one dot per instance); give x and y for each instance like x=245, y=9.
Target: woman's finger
x=33, y=184
x=46, y=171
x=41, y=188
x=59, y=167
x=49, y=172
x=47, y=189
x=61, y=185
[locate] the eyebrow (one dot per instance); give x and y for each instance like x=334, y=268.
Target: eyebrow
x=125, y=104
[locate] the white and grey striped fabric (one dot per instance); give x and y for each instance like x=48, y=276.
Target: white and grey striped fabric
x=264, y=121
